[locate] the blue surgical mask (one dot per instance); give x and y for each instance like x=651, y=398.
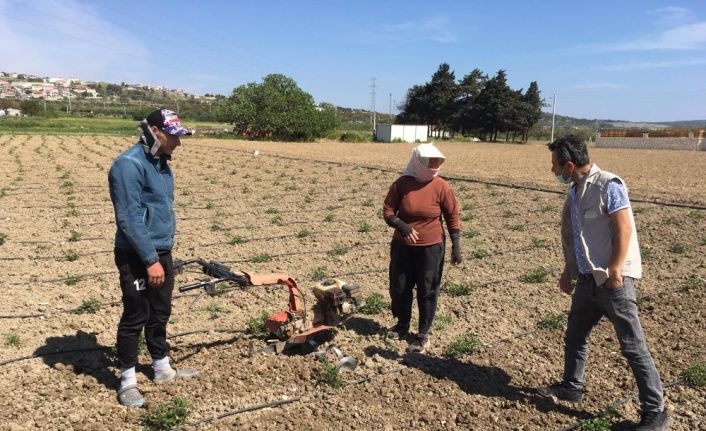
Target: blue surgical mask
x=561, y=178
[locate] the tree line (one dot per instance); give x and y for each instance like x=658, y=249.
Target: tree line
x=475, y=105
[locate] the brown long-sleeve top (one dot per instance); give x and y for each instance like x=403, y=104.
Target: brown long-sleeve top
x=421, y=206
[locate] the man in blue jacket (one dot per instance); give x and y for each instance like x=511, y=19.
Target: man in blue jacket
x=142, y=191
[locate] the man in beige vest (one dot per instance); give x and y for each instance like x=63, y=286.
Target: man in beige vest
x=602, y=260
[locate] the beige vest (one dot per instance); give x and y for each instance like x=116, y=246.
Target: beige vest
x=595, y=229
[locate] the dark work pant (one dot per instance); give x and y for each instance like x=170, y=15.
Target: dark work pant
x=415, y=266
x=588, y=304
x=143, y=307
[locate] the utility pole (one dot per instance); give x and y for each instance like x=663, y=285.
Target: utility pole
x=390, y=104
x=372, y=86
x=68, y=108
x=553, y=114
x=45, y=104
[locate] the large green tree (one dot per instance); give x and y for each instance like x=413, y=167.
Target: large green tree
x=276, y=108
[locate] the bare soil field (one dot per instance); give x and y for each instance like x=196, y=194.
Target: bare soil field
x=313, y=209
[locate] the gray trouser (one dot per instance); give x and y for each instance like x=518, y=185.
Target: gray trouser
x=588, y=304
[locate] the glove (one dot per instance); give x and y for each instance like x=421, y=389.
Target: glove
x=397, y=223
x=456, y=256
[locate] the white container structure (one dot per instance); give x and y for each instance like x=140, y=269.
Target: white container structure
x=404, y=132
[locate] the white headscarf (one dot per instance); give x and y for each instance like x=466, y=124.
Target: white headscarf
x=418, y=164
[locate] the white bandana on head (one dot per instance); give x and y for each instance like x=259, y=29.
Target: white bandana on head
x=418, y=164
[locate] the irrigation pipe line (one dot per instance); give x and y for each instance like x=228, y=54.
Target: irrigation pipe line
x=99, y=348
x=238, y=411
x=622, y=401
x=464, y=179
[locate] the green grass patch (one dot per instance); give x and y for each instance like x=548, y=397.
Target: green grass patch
x=552, y=321
x=480, y=253
x=256, y=325
x=71, y=280
x=318, y=273
x=538, y=242
x=672, y=221
x=3, y=238
x=236, y=239
x=215, y=310
x=547, y=208
x=12, y=340
x=303, y=233
x=677, y=248
x=538, y=275
x=365, y=227
x=74, y=236
x=326, y=375
x=167, y=416
x=338, y=250
x=441, y=322
x=374, y=304
x=467, y=217
x=466, y=344
x=639, y=210
x=691, y=283
x=262, y=257
x=695, y=375
x=696, y=215
x=517, y=228
x=603, y=422
x=463, y=288
x=271, y=211
x=470, y=233
x=88, y=306
x=645, y=252
x=330, y=217
x=277, y=220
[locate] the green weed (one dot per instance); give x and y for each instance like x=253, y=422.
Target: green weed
x=463, y=288
x=256, y=325
x=71, y=280
x=517, y=228
x=3, y=238
x=303, y=233
x=538, y=243
x=696, y=215
x=691, y=283
x=167, y=416
x=374, y=304
x=12, y=340
x=88, y=306
x=552, y=321
x=441, y=322
x=215, y=310
x=603, y=422
x=74, y=236
x=480, y=253
x=338, y=250
x=468, y=343
x=470, y=233
x=364, y=227
x=318, y=273
x=538, y=275
x=262, y=257
x=330, y=217
x=695, y=375
x=327, y=375
x=236, y=239
x=677, y=248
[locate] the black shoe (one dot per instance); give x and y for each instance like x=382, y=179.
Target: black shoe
x=654, y=421
x=561, y=391
x=419, y=345
x=397, y=333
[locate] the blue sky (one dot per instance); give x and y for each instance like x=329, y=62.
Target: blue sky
x=629, y=60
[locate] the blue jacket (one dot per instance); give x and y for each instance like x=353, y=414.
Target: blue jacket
x=142, y=191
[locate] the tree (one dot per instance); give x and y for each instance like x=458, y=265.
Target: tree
x=469, y=88
x=276, y=108
x=442, y=92
x=493, y=106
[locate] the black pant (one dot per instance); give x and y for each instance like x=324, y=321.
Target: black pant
x=143, y=307
x=420, y=266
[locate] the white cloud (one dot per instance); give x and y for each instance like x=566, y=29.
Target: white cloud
x=642, y=65
x=600, y=86
x=51, y=38
x=672, y=15
x=684, y=37
x=436, y=29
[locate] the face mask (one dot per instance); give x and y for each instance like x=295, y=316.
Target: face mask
x=561, y=178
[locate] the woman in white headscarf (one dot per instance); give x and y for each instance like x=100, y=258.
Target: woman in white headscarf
x=415, y=205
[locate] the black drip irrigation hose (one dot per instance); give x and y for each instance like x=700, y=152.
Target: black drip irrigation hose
x=99, y=348
x=239, y=411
